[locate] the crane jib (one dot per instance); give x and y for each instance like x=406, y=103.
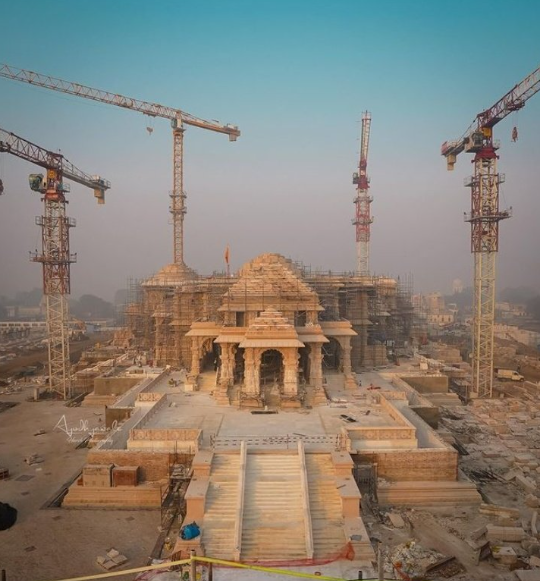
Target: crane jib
x=145, y=107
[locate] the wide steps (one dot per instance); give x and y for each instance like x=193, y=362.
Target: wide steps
x=220, y=506
x=273, y=522
x=325, y=506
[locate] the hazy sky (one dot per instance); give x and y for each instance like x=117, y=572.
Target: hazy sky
x=295, y=76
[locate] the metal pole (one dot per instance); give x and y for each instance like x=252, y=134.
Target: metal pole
x=192, y=566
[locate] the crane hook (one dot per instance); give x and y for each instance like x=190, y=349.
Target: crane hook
x=514, y=134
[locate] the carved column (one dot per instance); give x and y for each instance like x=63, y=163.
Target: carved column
x=250, y=383
x=257, y=354
x=195, y=356
x=158, y=349
x=227, y=366
x=316, y=375
x=350, y=380
x=290, y=381
x=345, y=343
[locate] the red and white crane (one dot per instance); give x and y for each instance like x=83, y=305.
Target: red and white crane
x=484, y=218
x=55, y=256
x=177, y=118
x=362, y=201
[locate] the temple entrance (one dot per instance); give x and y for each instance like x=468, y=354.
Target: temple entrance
x=239, y=366
x=271, y=377
x=211, y=356
x=332, y=355
x=304, y=367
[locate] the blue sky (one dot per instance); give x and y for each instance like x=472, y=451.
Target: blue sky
x=295, y=76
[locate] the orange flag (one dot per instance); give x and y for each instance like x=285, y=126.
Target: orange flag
x=227, y=254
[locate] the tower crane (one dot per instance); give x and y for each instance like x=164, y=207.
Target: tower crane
x=484, y=218
x=55, y=256
x=177, y=118
x=362, y=201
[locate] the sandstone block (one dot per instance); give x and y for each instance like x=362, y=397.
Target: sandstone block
x=532, y=500
x=509, y=534
x=526, y=483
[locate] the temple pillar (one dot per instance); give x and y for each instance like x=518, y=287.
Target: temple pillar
x=195, y=356
x=290, y=376
x=251, y=373
x=345, y=343
x=226, y=377
x=316, y=375
x=316, y=379
x=191, y=381
x=251, y=390
x=227, y=365
x=158, y=344
x=350, y=380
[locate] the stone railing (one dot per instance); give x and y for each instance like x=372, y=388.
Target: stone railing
x=383, y=433
x=149, y=396
x=239, y=522
x=284, y=441
x=179, y=434
x=305, y=500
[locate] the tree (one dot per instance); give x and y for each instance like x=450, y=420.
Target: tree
x=92, y=307
x=533, y=307
x=517, y=296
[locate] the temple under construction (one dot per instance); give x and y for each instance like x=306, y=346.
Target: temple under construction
x=273, y=322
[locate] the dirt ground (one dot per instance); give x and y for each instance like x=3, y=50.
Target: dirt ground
x=40, y=356
x=48, y=544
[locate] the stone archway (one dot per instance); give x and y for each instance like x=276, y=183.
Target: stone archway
x=332, y=355
x=271, y=376
x=272, y=367
x=210, y=355
x=239, y=368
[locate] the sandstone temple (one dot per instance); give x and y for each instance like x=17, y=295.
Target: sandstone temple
x=272, y=326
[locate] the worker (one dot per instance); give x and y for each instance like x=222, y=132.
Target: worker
x=1, y=187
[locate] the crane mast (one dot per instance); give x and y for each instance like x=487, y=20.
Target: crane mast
x=55, y=256
x=362, y=201
x=484, y=218
x=177, y=117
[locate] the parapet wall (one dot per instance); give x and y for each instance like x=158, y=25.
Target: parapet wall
x=153, y=466
x=185, y=440
x=413, y=465
x=427, y=383
x=400, y=436
x=114, y=385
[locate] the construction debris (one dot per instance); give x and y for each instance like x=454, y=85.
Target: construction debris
x=396, y=519
x=112, y=559
x=512, y=534
x=411, y=559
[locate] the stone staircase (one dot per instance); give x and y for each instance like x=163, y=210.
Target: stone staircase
x=273, y=523
x=325, y=507
x=206, y=381
x=220, y=507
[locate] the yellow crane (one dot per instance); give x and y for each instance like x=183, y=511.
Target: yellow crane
x=177, y=118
